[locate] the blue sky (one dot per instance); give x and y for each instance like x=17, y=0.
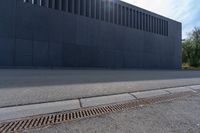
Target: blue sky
x=185, y=11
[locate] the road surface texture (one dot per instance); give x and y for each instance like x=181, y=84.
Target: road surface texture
x=179, y=116
x=26, y=86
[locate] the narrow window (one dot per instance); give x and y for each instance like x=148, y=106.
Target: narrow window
x=127, y=16
x=163, y=27
x=141, y=21
x=134, y=19
x=155, y=28
x=167, y=29
x=82, y=7
x=152, y=24
x=87, y=8
x=131, y=18
x=34, y=2
x=76, y=6
x=50, y=3
x=155, y=24
x=149, y=23
x=119, y=14
x=145, y=21
x=123, y=15
x=57, y=4
x=70, y=6
x=111, y=11
x=63, y=5
x=97, y=8
x=137, y=19
x=102, y=9
x=115, y=13
x=159, y=29
x=26, y=0
x=158, y=26
x=107, y=10
x=43, y=2
x=92, y=8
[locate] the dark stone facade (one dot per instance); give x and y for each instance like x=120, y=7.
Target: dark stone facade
x=86, y=33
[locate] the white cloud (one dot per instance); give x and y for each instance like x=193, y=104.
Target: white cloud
x=185, y=11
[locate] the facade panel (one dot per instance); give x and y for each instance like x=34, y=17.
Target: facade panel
x=7, y=51
x=86, y=33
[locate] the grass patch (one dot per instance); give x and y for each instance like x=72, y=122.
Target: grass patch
x=188, y=67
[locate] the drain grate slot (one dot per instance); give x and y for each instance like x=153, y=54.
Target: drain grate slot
x=45, y=120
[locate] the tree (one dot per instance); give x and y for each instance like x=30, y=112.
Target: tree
x=191, y=48
x=196, y=45
x=185, y=51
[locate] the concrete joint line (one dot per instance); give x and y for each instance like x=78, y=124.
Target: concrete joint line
x=133, y=95
x=168, y=91
x=80, y=102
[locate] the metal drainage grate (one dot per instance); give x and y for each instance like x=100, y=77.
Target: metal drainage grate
x=45, y=120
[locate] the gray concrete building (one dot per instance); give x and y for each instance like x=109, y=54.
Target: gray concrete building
x=86, y=33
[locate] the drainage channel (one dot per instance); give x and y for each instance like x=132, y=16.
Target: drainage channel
x=62, y=117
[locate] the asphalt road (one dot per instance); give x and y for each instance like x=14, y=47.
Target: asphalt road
x=19, y=87
x=179, y=116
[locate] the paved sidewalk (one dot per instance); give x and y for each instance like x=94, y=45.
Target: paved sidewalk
x=179, y=116
x=17, y=112
x=20, y=87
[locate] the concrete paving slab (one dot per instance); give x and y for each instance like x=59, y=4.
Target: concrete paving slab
x=94, y=101
x=196, y=87
x=178, y=89
x=37, y=109
x=152, y=93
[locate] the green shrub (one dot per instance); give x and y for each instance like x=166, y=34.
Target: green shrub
x=191, y=49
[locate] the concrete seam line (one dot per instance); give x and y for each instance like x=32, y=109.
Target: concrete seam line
x=80, y=102
x=133, y=95
x=168, y=91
